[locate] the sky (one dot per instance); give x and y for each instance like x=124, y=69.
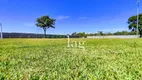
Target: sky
x=88, y=16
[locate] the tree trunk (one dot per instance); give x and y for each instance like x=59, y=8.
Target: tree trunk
x=140, y=31
x=140, y=34
x=44, y=32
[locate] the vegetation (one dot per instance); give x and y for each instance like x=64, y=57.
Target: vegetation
x=45, y=22
x=132, y=21
x=125, y=33
x=102, y=59
x=80, y=34
x=101, y=33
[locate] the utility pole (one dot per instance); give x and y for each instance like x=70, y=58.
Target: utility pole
x=1, y=31
x=138, y=2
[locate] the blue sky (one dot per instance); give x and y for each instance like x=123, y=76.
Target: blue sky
x=72, y=15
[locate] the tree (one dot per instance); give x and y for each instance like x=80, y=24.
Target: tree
x=45, y=22
x=100, y=33
x=132, y=21
x=81, y=34
x=125, y=33
x=74, y=34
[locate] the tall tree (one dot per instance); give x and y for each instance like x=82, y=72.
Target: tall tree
x=132, y=21
x=100, y=33
x=74, y=34
x=45, y=22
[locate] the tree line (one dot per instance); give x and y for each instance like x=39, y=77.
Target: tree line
x=101, y=33
x=45, y=22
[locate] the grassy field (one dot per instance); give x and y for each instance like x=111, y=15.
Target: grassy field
x=102, y=59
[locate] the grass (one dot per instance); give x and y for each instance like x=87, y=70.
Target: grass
x=41, y=59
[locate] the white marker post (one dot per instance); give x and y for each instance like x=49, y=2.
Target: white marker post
x=1, y=31
x=68, y=40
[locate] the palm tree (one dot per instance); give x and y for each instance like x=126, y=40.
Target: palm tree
x=45, y=22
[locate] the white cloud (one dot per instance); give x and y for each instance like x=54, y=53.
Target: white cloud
x=83, y=17
x=62, y=17
x=29, y=24
x=120, y=29
x=115, y=29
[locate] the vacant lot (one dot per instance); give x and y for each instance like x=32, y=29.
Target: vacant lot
x=51, y=59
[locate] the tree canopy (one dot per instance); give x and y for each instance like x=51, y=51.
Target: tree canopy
x=132, y=21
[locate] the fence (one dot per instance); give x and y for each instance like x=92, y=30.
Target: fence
x=32, y=35
x=114, y=36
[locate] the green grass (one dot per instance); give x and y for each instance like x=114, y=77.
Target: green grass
x=102, y=59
